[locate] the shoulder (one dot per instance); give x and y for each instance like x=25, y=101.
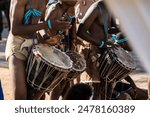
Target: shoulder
x=93, y=9
x=54, y=6
x=19, y=2
x=52, y=10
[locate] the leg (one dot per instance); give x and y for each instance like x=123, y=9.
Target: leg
x=17, y=73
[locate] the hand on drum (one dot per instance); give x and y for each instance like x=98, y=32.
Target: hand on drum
x=55, y=40
x=61, y=25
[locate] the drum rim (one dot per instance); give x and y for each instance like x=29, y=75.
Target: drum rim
x=54, y=66
x=83, y=61
x=52, y=63
x=110, y=52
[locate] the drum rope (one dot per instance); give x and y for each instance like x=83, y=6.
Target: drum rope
x=47, y=74
x=55, y=82
x=112, y=70
x=31, y=60
x=39, y=67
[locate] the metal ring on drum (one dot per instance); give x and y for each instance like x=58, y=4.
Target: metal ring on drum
x=115, y=64
x=47, y=70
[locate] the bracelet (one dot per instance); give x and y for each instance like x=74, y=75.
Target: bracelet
x=71, y=18
x=49, y=24
x=121, y=40
x=113, y=37
x=102, y=44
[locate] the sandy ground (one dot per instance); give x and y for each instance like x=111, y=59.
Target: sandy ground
x=139, y=78
x=6, y=84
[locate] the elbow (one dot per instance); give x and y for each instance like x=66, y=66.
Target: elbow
x=16, y=30
x=80, y=31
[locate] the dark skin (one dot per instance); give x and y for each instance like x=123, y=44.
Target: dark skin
x=18, y=9
x=58, y=11
x=17, y=66
x=91, y=27
x=91, y=30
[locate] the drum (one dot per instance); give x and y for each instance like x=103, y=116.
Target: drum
x=115, y=64
x=79, y=65
x=48, y=69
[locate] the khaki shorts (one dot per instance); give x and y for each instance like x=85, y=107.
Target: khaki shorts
x=18, y=46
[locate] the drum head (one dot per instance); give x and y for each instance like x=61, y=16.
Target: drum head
x=53, y=56
x=123, y=57
x=79, y=64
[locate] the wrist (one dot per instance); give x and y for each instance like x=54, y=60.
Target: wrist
x=49, y=24
x=101, y=44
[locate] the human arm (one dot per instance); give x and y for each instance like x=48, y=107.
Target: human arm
x=17, y=13
x=86, y=22
x=53, y=12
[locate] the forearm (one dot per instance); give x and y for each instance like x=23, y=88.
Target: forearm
x=87, y=37
x=28, y=29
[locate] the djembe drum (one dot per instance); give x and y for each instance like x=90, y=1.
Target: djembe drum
x=47, y=70
x=115, y=64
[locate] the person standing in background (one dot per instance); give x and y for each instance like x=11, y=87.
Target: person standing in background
x=4, y=6
x=1, y=92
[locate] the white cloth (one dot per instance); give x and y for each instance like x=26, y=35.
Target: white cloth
x=134, y=17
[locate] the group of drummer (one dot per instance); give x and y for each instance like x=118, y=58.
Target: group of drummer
x=87, y=25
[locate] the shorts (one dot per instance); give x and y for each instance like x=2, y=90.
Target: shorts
x=18, y=46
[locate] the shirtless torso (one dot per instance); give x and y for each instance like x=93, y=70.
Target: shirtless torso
x=93, y=29
x=62, y=10
x=26, y=17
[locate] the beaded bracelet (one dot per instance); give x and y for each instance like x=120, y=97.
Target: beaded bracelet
x=102, y=44
x=49, y=24
x=121, y=40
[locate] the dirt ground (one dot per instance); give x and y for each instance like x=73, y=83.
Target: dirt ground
x=140, y=79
